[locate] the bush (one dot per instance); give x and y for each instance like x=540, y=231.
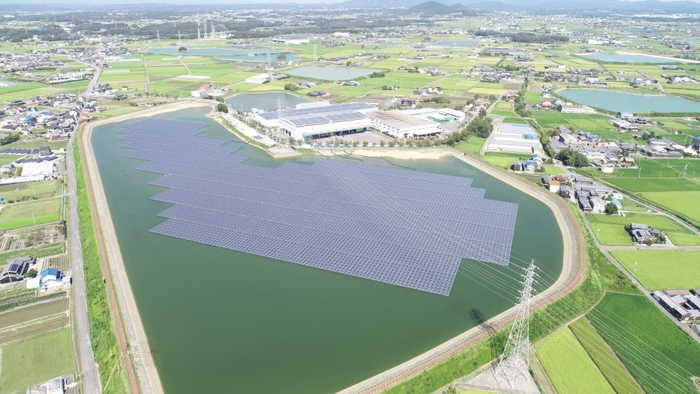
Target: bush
x=31, y=273
x=222, y=108
x=610, y=209
x=291, y=86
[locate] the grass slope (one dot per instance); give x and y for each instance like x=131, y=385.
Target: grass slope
x=660, y=356
x=568, y=366
x=36, y=360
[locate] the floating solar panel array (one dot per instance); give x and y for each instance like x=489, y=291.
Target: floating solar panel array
x=326, y=109
x=396, y=226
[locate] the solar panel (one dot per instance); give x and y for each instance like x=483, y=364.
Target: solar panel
x=397, y=226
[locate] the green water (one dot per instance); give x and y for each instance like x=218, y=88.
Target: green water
x=224, y=321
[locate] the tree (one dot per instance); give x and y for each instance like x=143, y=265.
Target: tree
x=222, y=108
x=291, y=86
x=382, y=143
x=292, y=141
x=365, y=143
x=182, y=49
x=481, y=126
x=31, y=273
x=571, y=157
x=610, y=209
x=348, y=63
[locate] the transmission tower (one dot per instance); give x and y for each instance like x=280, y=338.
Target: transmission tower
x=514, y=363
x=684, y=173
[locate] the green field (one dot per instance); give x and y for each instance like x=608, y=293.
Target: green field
x=472, y=145
x=38, y=189
x=35, y=361
x=612, y=228
x=685, y=203
x=660, y=356
x=568, y=366
x=662, y=269
x=612, y=368
x=30, y=213
x=504, y=160
x=654, y=185
x=553, y=170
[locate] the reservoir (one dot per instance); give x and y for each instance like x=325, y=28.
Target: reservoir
x=225, y=321
x=262, y=57
x=211, y=51
x=331, y=73
x=263, y=101
x=628, y=102
x=630, y=58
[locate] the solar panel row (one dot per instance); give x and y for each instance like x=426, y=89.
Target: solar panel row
x=397, y=226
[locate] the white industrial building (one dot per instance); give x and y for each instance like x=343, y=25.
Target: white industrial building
x=290, y=40
x=514, y=138
x=576, y=109
x=324, y=124
x=399, y=124
x=436, y=114
x=45, y=168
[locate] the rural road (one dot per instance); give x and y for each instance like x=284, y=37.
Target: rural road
x=89, y=375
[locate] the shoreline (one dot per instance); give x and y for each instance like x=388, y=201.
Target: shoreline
x=148, y=374
x=137, y=340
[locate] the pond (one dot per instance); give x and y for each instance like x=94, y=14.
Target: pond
x=245, y=323
x=263, y=101
x=455, y=43
x=208, y=51
x=262, y=57
x=628, y=102
x=331, y=73
x=630, y=58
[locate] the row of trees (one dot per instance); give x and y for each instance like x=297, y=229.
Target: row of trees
x=481, y=126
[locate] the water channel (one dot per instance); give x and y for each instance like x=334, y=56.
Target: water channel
x=224, y=321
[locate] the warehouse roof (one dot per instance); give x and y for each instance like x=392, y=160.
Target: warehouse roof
x=316, y=119
x=398, y=119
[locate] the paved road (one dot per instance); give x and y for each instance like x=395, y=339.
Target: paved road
x=90, y=376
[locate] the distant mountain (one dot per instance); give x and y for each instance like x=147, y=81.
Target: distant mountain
x=437, y=8
x=459, y=7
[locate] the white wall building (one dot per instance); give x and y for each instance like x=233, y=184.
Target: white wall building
x=45, y=168
x=400, y=125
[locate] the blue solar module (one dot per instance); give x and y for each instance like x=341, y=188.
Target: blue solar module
x=396, y=226
x=328, y=109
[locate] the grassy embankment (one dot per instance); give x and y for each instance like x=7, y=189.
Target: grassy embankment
x=600, y=276
x=102, y=329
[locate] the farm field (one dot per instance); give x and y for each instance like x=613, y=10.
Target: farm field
x=472, y=145
x=553, y=170
x=613, y=233
x=35, y=360
x=504, y=160
x=647, y=342
x=612, y=368
x=33, y=312
x=568, y=366
x=662, y=269
x=653, y=184
x=684, y=203
x=38, y=189
x=30, y=213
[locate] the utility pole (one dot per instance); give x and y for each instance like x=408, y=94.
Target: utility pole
x=514, y=363
x=634, y=272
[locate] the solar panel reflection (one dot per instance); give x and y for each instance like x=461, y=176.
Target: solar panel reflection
x=397, y=226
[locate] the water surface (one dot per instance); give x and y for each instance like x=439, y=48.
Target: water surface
x=628, y=102
x=222, y=321
x=263, y=101
x=629, y=58
x=331, y=73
